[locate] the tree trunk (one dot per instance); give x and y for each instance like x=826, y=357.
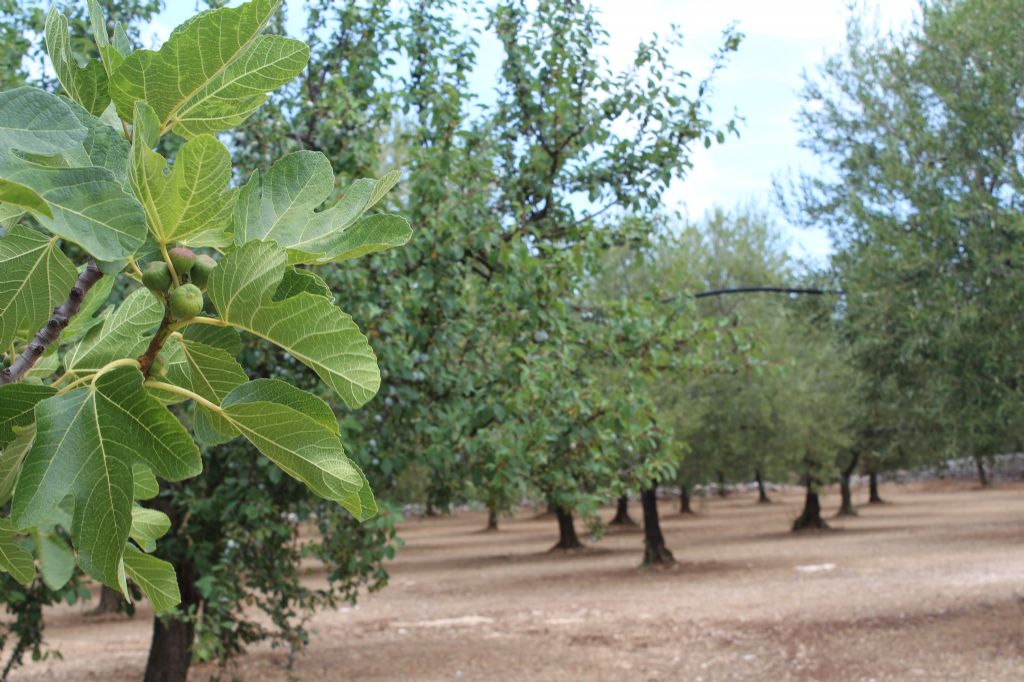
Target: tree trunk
x=873, y=496
x=982, y=474
x=622, y=517
x=566, y=530
x=810, y=519
x=110, y=602
x=492, y=519
x=684, y=500
x=762, y=494
x=170, y=651
x=722, y=492
x=846, y=507
x=655, y=551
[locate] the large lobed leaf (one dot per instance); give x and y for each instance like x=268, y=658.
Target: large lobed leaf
x=35, y=277
x=87, y=441
x=88, y=205
x=308, y=326
x=37, y=122
x=123, y=334
x=17, y=407
x=213, y=71
x=154, y=576
x=210, y=373
x=87, y=84
x=15, y=558
x=191, y=199
x=281, y=206
x=299, y=433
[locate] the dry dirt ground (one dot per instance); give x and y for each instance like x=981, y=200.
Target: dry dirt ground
x=927, y=587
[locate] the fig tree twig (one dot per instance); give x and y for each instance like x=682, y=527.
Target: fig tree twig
x=51, y=331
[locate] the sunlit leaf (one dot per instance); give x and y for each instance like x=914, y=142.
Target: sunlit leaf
x=308, y=326
x=213, y=71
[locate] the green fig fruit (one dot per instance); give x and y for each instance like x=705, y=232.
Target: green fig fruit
x=157, y=277
x=202, y=270
x=186, y=302
x=182, y=259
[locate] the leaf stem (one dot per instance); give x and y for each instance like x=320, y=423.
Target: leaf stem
x=171, y=388
x=212, y=321
x=123, y=362
x=170, y=265
x=51, y=331
x=135, y=268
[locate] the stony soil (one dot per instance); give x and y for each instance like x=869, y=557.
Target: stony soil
x=929, y=587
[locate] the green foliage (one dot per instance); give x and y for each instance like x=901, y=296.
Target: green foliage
x=86, y=433
x=920, y=132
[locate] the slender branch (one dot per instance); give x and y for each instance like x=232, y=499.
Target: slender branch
x=51, y=331
x=156, y=343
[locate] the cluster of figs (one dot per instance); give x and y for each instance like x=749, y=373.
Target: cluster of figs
x=184, y=300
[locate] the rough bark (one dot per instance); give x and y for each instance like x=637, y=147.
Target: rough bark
x=655, y=551
x=762, y=494
x=622, y=517
x=684, y=500
x=873, y=496
x=722, y=490
x=566, y=530
x=982, y=473
x=51, y=331
x=810, y=519
x=846, y=507
x=170, y=650
x=492, y=519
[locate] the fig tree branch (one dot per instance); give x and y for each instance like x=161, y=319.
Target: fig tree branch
x=51, y=331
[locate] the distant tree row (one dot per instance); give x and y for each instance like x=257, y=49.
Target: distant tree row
x=540, y=338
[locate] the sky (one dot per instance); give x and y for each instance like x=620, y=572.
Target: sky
x=783, y=40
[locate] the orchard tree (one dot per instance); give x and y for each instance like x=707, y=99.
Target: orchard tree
x=921, y=134
x=577, y=146
x=96, y=400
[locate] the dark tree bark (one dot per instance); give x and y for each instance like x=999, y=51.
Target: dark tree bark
x=873, y=496
x=684, y=500
x=762, y=494
x=566, y=530
x=492, y=519
x=110, y=602
x=722, y=491
x=655, y=551
x=846, y=507
x=982, y=473
x=170, y=650
x=810, y=519
x=622, y=517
